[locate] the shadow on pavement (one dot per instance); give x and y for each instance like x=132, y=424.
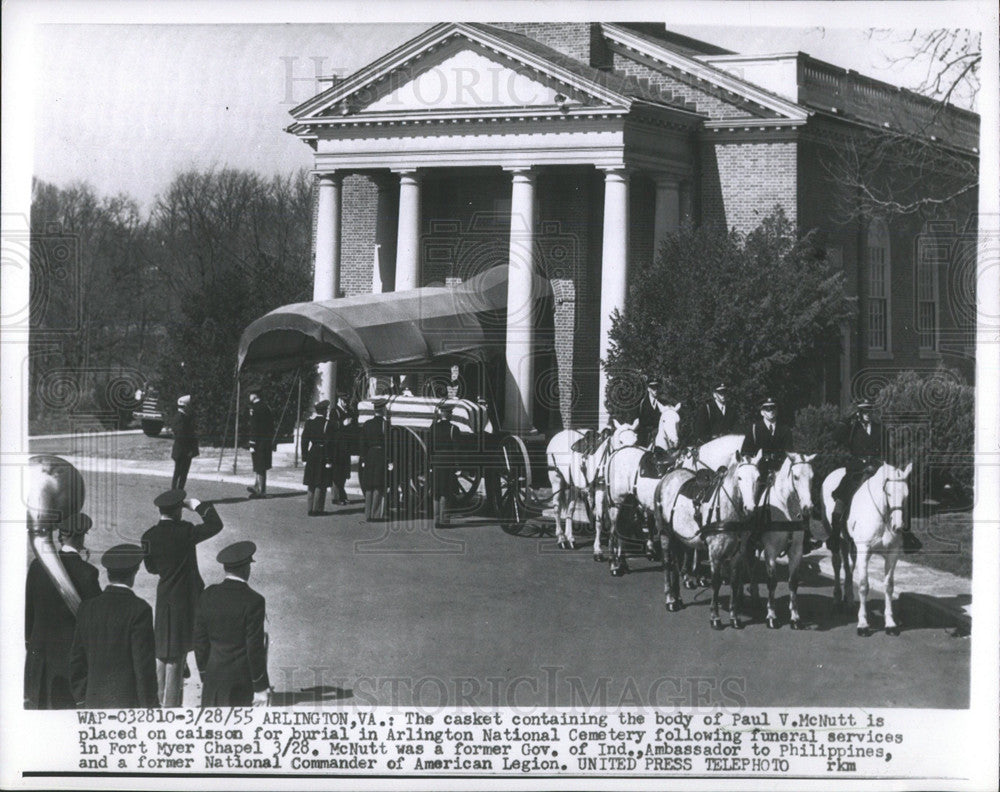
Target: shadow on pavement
x=310, y=695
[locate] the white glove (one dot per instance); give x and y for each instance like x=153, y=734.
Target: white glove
x=262, y=699
x=192, y=503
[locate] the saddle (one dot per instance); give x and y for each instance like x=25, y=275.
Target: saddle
x=657, y=463
x=700, y=489
x=591, y=439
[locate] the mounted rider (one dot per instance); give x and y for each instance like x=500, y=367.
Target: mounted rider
x=714, y=418
x=649, y=413
x=774, y=441
x=867, y=441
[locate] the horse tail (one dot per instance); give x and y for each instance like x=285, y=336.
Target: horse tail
x=658, y=508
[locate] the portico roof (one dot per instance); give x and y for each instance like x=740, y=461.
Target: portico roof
x=475, y=69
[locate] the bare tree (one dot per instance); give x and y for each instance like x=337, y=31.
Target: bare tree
x=915, y=152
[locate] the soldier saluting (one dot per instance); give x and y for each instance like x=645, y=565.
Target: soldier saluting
x=230, y=645
x=171, y=552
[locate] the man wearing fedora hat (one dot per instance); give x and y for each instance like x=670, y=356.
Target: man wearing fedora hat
x=185, y=442
x=172, y=553
x=316, y=474
x=230, y=645
x=112, y=661
x=49, y=623
x=338, y=450
x=714, y=418
x=867, y=442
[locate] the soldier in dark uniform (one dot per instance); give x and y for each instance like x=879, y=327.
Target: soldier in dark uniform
x=649, y=413
x=373, y=444
x=230, y=645
x=444, y=441
x=338, y=451
x=261, y=443
x=316, y=475
x=185, y=442
x=172, y=553
x=455, y=389
x=714, y=418
x=867, y=441
x=49, y=623
x=112, y=660
x=774, y=440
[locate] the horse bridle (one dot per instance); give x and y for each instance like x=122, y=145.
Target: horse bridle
x=889, y=507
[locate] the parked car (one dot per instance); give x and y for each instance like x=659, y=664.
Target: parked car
x=150, y=414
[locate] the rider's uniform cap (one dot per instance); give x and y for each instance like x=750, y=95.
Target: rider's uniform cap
x=169, y=499
x=379, y=401
x=446, y=409
x=652, y=382
x=184, y=401
x=236, y=553
x=768, y=402
x=123, y=556
x=721, y=388
x=322, y=406
x=865, y=405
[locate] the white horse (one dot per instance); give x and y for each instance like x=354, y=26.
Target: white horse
x=573, y=474
x=787, y=501
x=713, y=454
x=719, y=531
x=624, y=485
x=874, y=524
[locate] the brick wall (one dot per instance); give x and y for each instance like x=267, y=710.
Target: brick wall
x=704, y=102
x=570, y=38
x=357, y=252
x=741, y=183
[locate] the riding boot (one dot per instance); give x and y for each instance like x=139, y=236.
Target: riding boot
x=910, y=542
x=837, y=522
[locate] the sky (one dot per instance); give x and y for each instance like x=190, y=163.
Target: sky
x=127, y=106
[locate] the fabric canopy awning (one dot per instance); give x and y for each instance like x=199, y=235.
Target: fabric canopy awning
x=390, y=329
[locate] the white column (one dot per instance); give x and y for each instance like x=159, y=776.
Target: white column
x=384, y=265
x=326, y=276
x=520, y=380
x=668, y=209
x=614, y=267
x=408, y=234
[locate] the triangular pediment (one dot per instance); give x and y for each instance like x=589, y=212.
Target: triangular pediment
x=469, y=79
x=456, y=68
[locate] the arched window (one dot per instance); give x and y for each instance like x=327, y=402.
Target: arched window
x=878, y=261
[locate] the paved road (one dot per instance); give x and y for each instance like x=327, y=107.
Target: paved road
x=405, y=614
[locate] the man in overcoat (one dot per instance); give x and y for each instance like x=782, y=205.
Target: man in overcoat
x=185, y=446
x=49, y=623
x=261, y=443
x=230, y=645
x=172, y=553
x=316, y=475
x=339, y=454
x=112, y=659
x=444, y=442
x=374, y=443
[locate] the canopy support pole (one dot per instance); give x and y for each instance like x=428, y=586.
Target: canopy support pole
x=236, y=438
x=298, y=418
x=225, y=432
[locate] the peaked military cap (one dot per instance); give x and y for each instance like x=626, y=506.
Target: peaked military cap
x=236, y=553
x=123, y=556
x=322, y=406
x=169, y=499
x=768, y=402
x=76, y=524
x=720, y=388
